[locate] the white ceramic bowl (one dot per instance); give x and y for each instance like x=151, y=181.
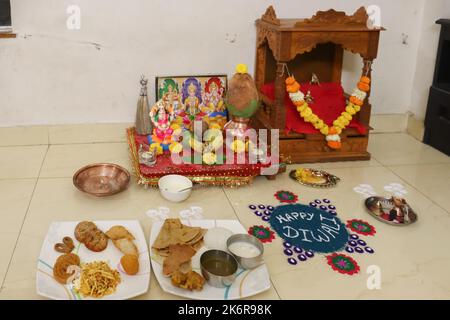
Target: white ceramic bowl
x=170, y=185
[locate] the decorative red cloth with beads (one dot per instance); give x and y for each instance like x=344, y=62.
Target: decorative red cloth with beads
x=164, y=166
x=329, y=102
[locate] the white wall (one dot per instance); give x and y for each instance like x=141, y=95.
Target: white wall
x=427, y=52
x=51, y=75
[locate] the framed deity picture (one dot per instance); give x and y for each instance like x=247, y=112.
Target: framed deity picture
x=193, y=98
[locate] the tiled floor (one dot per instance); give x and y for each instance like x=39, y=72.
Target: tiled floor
x=37, y=163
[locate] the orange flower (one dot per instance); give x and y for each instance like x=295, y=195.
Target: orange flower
x=332, y=131
x=356, y=101
x=363, y=86
x=290, y=81
x=293, y=88
x=299, y=103
x=334, y=145
x=365, y=79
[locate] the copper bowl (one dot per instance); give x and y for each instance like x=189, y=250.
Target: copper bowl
x=101, y=179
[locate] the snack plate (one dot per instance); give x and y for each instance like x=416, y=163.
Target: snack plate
x=248, y=282
x=332, y=180
x=386, y=206
x=130, y=286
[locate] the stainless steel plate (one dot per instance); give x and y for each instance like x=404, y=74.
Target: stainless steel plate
x=379, y=208
x=329, y=180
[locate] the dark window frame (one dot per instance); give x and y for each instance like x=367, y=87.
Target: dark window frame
x=5, y=15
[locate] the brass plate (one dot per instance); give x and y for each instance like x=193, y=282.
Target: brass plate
x=330, y=180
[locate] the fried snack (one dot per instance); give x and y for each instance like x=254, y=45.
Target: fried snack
x=66, y=246
x=130, y=264
x=98, y=280
x=126, y=246
x=97, y=241
x=174, y=232
x=123, y=240
x=62, y=264
x=83, y=229
x=93, y=238
x=185, y=267
x=189, y=281
x=119, y=232
x=178, y=255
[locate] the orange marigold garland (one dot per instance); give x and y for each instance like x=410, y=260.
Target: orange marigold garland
x=332, y=133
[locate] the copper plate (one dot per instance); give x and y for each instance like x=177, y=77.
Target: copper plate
x=330, y=180
x=101, y=179
x=374, y=204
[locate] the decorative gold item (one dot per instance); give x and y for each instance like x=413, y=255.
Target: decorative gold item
x=314, y=178
x=102, y=179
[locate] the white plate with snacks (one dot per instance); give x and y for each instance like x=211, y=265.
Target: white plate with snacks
x=94, y=268
x=247, y=283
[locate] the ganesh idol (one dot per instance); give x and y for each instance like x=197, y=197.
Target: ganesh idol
x=213, y=104
x=213, y=97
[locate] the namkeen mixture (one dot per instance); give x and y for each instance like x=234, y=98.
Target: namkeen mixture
x=97, y=280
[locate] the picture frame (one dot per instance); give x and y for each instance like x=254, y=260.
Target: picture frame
x=195, y=97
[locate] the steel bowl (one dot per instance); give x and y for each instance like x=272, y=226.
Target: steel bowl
x=219, y=268
x=101, y=179
x=247, y=263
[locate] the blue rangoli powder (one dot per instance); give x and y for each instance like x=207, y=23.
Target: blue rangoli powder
x=309, y=228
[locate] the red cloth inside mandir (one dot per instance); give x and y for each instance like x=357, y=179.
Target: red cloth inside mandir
x=329, y=103
x=165, y=166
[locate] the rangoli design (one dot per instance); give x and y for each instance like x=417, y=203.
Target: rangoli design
x=324, y=205
x=309, y=228
x=396, y=189
x=262, y=211
x=343, y=264
x=361, y=227
x=160, y=214
x=296, y=254
x=365, y=190
x=193, y=213
x=286, y=196
x=264, y=234
x=357, y=245
x=339, y=260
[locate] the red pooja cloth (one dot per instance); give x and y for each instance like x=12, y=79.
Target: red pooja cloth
x=329, y=103
x=165, y=166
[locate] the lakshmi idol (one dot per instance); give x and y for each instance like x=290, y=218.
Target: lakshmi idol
x=191, y=92
x=161, y=119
